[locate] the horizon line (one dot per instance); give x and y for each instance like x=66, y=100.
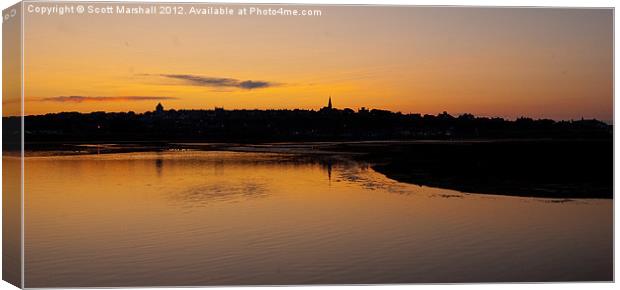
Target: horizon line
x=608, y=122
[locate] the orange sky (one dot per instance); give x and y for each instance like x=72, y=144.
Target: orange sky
x=554, y=63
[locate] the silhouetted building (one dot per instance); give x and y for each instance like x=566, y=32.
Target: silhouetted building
x=329, y=107
x=159, y=108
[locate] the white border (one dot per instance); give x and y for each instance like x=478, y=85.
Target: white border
x=504, y=3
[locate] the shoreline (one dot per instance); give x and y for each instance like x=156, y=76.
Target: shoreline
x=544, y=168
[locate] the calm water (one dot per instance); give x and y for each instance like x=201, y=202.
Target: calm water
x=202, y=218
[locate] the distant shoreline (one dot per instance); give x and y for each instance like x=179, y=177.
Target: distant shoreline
x=280, y=126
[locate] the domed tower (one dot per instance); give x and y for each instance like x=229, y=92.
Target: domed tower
x=159, y=108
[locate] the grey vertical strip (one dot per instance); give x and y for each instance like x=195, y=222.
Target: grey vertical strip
x=12, y=145
x=23, y=129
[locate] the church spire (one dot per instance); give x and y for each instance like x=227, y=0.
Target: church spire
x=329, y=104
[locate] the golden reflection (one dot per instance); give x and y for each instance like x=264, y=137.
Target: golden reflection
x=207, y=218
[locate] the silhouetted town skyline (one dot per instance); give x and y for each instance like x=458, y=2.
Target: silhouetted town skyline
x=569, y=153
x=327, y=123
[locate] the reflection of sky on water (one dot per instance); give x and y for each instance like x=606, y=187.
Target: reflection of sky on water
x=222, y=192
x=207, y=218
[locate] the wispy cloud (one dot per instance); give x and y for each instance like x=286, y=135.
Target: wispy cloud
x=81, y=99
x=219, y=82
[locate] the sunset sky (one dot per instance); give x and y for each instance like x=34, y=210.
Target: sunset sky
x=551, y=63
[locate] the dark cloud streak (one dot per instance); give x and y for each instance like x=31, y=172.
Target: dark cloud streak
x=219, y=82
x=80, y=99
